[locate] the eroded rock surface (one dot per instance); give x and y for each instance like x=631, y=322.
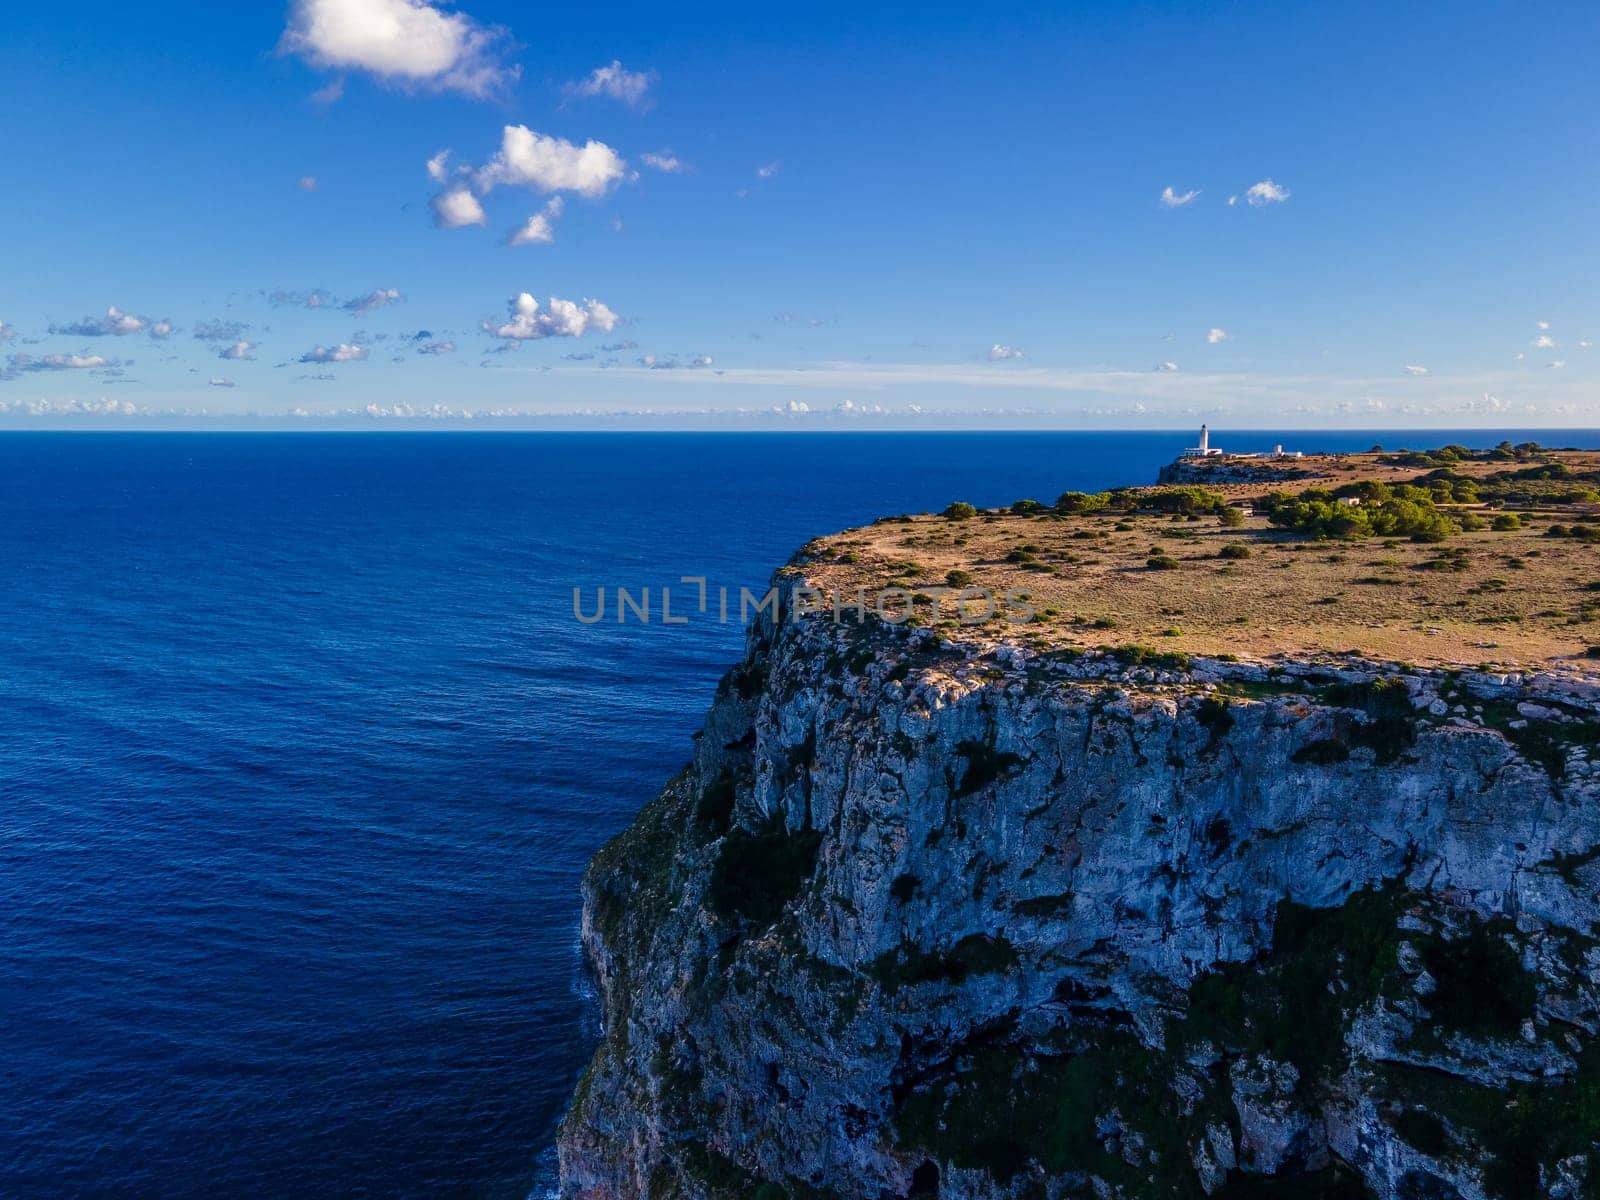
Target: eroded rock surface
x=928, y=919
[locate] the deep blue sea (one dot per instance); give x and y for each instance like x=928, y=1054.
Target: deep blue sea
x=303, y=755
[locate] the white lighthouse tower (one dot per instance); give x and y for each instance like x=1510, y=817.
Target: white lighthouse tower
x=1203, y=450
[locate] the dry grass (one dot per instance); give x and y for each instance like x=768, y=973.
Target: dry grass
x=1512, y=599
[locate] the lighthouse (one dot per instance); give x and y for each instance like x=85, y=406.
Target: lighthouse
x=1205, y=441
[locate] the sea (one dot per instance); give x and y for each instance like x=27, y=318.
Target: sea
x=303, y=752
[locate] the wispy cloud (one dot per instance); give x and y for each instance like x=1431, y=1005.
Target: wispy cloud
x=445, y=346
x=1215, y=336
x=240, y=351
x=768, y=170
x=615, y=82
x=539, y=229
x=665, y=161
x=1172, y=199
x=1259, y=195
x=218, y=381
x=407, y=43
x=1410, y=370
x=374, y=300
x=315, y=298
x=344, y=352
x=1001, y=353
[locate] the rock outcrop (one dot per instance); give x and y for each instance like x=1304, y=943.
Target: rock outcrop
x=927, y=918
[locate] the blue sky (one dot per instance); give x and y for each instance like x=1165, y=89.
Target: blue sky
x=908, y=215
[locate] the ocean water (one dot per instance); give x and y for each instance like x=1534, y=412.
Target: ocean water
x=303, y=754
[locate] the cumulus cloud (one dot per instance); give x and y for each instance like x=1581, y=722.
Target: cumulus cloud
x=615, y=82
x=1172, y=199
x=373, y=301
x=552, y=164
x=665, y=161
x=217, y=381
x=1000, y=353
x=441, y=347
x=1166, y=366
x=1215, y=335
x=1259, y=195
x=1542, y=324
x=342, y=353
x=161, y=330
x=115, y=323
x=456, y=208
x=240, y=351
x=1416, y=370
x=539, y=229
x=1544, y=342
x=561, y=318
x=439, y=166
x=408, y=43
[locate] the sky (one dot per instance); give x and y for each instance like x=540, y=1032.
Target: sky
x=1109, y=215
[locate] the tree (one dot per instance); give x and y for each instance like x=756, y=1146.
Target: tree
x=960, y=510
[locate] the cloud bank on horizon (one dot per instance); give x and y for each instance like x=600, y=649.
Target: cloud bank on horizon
x=427, y=159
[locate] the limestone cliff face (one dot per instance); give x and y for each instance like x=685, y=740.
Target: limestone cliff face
x=924, y=919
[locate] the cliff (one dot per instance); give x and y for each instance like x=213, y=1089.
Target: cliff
x=932, y=916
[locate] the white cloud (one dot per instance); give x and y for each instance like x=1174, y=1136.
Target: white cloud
x=1557, y=365
x=161, y=330
x=562, y=318
x=438, y=166
x=1171, y=199
x=1232, y=200
x=539, y=230
x=216, y=381
x=1542, y=324
x=240, y=351
x=456, y=208
x=315, y=298
x=770, y=169
x=1215, y=335
x=342, y=353
x=7, y=332
x=115, y=323
x=442, y=347
x=1167, y=366
x=665, y=161
x=373, y=301
x=1259, y=195
x=617, y=83
x=999, y=353
x=331, y=94
x=405, y=42
x=1416, y=370
x=308, y=183
x=552, y=164
x=1544, y=342
x=62, y=362
x=1584, y=345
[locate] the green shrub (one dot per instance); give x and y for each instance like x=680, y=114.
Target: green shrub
x=1507, y=521
x=1023, y=507
x=1082, y=502
x=1231, y=517
x=960, y=510
x=757, y=873
x=1234, y=550
x=959, y=579
x=1162, y=562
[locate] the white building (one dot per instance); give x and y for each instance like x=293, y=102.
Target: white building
x=1203, y=450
